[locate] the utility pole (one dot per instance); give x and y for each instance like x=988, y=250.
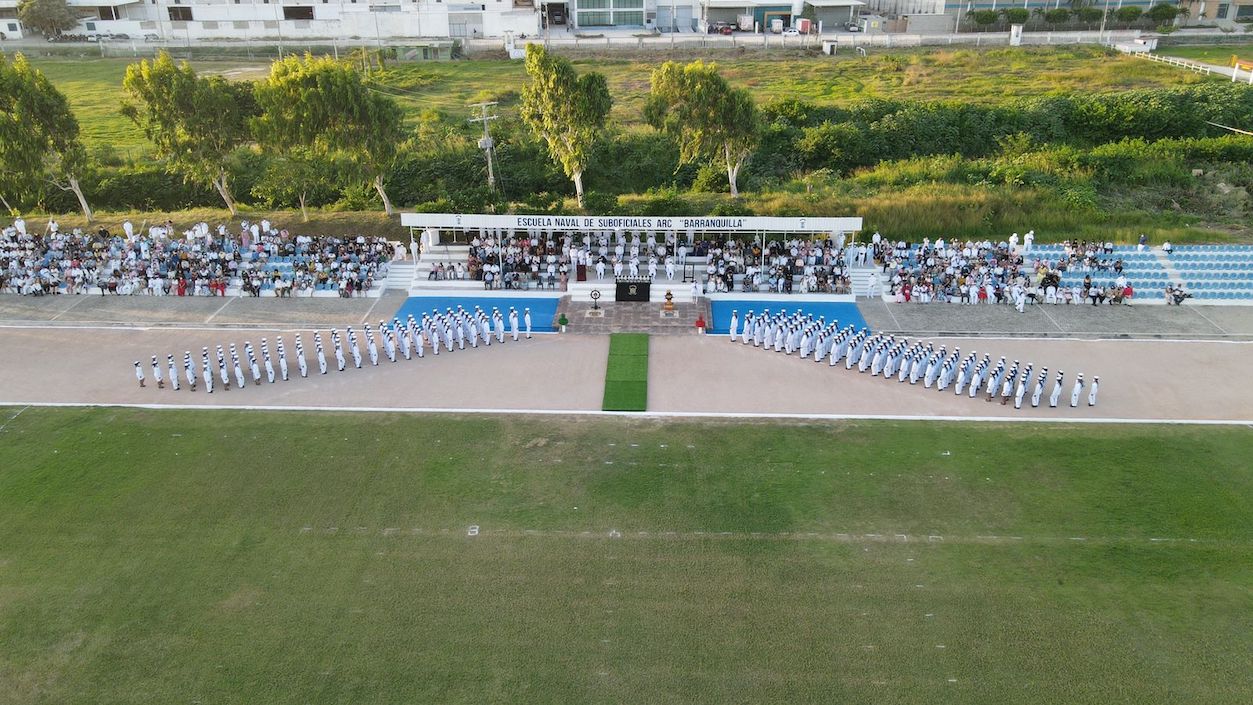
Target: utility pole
x=485, y=143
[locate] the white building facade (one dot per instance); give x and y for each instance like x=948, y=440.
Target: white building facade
x=225, y=20
x=10, y=28
x=364, y=20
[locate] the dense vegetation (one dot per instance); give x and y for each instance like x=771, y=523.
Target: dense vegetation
x=1113, y=161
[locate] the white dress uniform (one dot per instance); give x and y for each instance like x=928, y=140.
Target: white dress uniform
x=1092, y=391
x=207, y=370
x=156, y=373
x=389, y=345
x=139, y=373
x=1039, y=387
x=430, y=334
x=963, y=373
x=513, y=324
x=169, y=359
x=1007, y=386
x=300, y=357
x=240, y=380
x=920, y=363
x=340, y=364
x=994, y=379
x=734, y=327
x=402, y=338
x=318, y=352
x=415, y=337
x=1023, y=381
x=371, y=347
x=353, y=348
x=224, y=370
x=902, y=373
x=1057, y=390
x=189, y=369
x=499, y=322
x=526, y=321
x=981, y=370
x=255, y=369
x=933, y=368
x=267, y=363
x=1076, y=391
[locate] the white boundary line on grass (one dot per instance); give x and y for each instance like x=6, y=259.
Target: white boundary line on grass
x=635, y=414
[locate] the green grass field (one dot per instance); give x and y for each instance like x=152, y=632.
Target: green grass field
x=626, y=373
x=229, y=557
x=1217, y=55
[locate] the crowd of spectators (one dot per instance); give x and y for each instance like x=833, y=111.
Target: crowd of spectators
x=984, y=272
x=778, y=266
x=199, y=261
x=550, y=260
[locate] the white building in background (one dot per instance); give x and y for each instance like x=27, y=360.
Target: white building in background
x=225, y=20
x=10, y=28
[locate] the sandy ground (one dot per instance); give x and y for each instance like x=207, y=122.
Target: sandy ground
x=1140, y=379
x=1139, y=321
x=96, y=366
x=174, y=311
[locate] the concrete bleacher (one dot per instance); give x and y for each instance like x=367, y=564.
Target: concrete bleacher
x=1220, y=274
x=1215, y=272
x=1144, y=270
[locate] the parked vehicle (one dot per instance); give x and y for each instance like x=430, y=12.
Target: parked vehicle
x=852, y=27
x=59, y=38
x=791, y=32
x=151, y=37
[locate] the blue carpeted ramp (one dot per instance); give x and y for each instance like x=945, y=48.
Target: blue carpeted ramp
x=845, y=313
x=543, y=309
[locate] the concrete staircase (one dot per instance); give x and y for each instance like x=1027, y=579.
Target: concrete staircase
x=1171, y=273
x=441, y=254
x=399, y=275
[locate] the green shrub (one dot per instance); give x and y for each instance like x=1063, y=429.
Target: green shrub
x=1017, y=15
x=1128, y=14
x=985, y=18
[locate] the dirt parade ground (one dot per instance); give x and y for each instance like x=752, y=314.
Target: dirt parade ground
x=1140, y=379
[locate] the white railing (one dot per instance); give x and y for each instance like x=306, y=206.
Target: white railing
x=1174, y=61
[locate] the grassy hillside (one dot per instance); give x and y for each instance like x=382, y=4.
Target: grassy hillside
x=94, y=86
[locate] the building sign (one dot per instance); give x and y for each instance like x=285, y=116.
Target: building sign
x=454, y=221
